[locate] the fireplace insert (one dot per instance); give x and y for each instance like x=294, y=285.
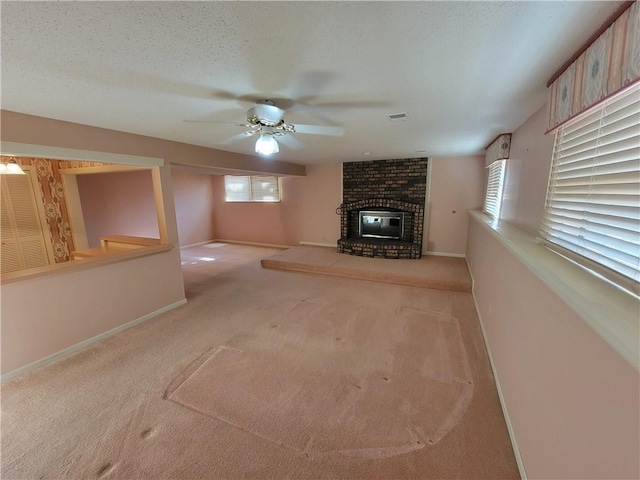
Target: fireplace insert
x=381, y=224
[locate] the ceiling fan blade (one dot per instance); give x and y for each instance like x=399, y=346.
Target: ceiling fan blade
x=337, y=102
x=319, y=130
x=237, y=137
x=223, y=94
x=219, y=123
x=354, y=104
x=253, y=98
x=289, y=141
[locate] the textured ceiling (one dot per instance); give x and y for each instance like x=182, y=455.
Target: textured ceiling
x=462, y=71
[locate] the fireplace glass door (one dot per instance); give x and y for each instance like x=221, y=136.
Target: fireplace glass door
x=381, y=224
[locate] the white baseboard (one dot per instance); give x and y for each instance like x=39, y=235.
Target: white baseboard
x=254, y=244
x=505, y=411
x=85, y=343
x=317, y=244
x=444, y=254
x=196, y=244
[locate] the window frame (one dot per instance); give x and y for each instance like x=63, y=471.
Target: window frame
x=251, y=196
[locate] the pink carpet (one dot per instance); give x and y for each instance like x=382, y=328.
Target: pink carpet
x=269, y=375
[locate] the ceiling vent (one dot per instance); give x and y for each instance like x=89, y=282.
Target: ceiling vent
x=398, y=117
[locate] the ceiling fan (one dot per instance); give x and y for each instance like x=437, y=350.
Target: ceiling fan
x=267, y=120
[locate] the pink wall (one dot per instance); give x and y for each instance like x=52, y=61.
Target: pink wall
x=527, y=174
x=306, y=212
x=572, y=400
x=248, y=221
x=457, y=185
x=193, y=198
x=120, y=203
x=45, y=315
x=312, y=201
x=42, y=316
x=61, y=310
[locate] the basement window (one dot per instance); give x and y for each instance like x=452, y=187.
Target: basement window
x=592, y=213
x=495, y=182
x=250, y=188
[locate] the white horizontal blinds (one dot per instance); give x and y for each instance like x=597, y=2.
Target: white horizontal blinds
x=493, y=197
x=265, y=189
x=251, y=189
x=237, y=188
x=593, y=200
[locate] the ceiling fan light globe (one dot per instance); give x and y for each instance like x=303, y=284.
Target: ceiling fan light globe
x=267, y=145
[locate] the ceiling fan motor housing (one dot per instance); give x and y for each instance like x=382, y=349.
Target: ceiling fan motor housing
x=263, y=114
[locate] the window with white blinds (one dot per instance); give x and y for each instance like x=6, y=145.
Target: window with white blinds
x=251, y=188
x=495, y=181
x=592, y=212
x=265, y=189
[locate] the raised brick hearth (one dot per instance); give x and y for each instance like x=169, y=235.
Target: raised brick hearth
x=386, y=185
x=379, y=247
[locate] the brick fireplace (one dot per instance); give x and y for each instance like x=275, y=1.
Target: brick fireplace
x=383, y=186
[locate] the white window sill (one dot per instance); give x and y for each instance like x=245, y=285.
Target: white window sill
x=612, y=312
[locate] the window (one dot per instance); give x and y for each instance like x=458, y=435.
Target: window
x=251, y=189
x=493, y=197
x=592, y=212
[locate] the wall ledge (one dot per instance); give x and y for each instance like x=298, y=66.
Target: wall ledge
x=613, y=313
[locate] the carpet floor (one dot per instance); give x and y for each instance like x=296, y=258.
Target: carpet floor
x=266, y=374
x=441, y=273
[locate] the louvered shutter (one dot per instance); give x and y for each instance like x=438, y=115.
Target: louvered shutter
x=9, y=254
x=593, y=202
x=23, y=242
